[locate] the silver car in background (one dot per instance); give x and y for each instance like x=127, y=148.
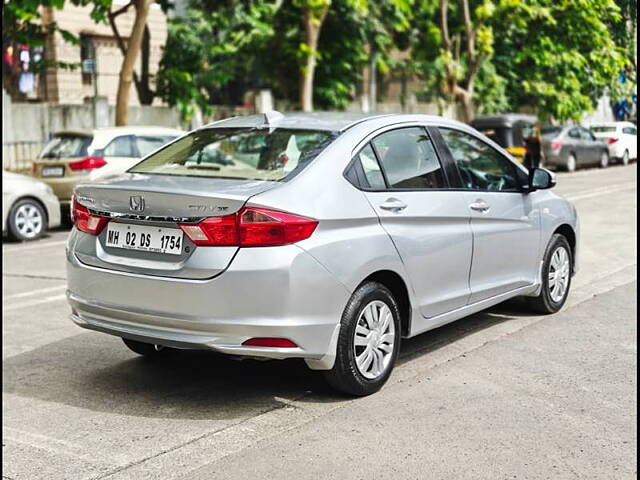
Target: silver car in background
x=29, y=207
x=327, y=237
x=572, y=147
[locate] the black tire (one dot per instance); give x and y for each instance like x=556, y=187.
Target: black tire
x=13, y=229
x=345, y=376
x=145, y=349
x=544, y=303
x=625, y=158
x=604, y=160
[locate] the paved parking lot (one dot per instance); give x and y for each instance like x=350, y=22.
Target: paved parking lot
x=501, y=394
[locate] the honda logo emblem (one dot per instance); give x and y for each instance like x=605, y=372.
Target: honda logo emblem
x=136, y=203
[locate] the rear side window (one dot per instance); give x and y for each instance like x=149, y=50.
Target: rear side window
x=575, y=133
x=371, y=168
x=604, y=129
x=480, y=166
x=242, y=153
x=148, y=144
x=120, y=147
x=67, y=146
x=629, y=131
x=409, y=159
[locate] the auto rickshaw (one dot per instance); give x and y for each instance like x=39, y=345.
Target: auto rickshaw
x=510, y=131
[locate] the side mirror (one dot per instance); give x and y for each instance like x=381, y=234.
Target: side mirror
x=541, y=179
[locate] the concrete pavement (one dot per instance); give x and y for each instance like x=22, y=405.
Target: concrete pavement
x=498, y=394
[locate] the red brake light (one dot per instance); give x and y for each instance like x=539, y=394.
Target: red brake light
x=612, y=140
x=251, y=227
x=88, y=163
x=86, y=221
x=270, y=342
x=556, y=145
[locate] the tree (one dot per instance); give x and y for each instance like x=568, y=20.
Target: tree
x=557, y=57
x=314, y=13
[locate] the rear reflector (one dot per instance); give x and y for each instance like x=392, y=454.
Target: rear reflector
x=88, y=163
x=612, y=140
x=251, y=227
x=85, y=221
x=269, y=342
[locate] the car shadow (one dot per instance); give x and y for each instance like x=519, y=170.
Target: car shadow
x=97, y=372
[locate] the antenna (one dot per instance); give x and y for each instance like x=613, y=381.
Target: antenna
x=271, y=117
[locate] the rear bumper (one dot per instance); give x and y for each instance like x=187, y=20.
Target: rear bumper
x=266, y=292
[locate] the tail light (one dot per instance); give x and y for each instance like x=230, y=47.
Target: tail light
x=556, y=145
x=88, y=163
x=251, y=227
x=269, y=342
x=612, y=140
x=85, y=221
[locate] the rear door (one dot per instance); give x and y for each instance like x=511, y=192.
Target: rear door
x=504, y=221
x=593, y=147
x=428, y=223
x=630, y=136
x=576, y=145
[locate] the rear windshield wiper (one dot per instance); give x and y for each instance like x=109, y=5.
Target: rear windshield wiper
x=203, y=166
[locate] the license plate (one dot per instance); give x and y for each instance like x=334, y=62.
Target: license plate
x=144, y=238
x=52, y=171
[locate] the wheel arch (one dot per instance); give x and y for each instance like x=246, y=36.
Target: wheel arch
x=398, y=287
x=569, y=233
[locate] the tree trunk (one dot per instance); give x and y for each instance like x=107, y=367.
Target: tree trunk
x=129, y=61
x=312, y=26
x=465, y=98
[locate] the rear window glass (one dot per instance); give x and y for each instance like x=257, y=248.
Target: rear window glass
x=258, y=154
x=148, y=144
x=67, y=146
x=550, y=131
x=603, y=129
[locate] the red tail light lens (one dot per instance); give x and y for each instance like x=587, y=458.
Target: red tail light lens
x=612, y=140
x=270, y=342
x=251, y=227
x=557, y=145
x=85, y=221
x=88, y=163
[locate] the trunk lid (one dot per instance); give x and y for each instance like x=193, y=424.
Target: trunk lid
x=142, y=201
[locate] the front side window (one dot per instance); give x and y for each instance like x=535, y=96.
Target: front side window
x=242, y=153
x=409, y=159
x=480, y=166
x=120, y=147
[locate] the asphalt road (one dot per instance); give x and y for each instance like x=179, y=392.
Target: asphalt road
x=501, y=394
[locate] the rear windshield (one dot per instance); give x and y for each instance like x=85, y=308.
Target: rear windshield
x=67, y=146
x=147, y=144
x=550, y=131
x=603, y=129
x=243, y=153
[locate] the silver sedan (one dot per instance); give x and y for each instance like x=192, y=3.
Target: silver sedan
x=327, y=237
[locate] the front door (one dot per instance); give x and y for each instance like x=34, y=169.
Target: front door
x=428, y=224
x=505, y=225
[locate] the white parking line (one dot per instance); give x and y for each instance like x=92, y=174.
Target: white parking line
x=34, y=292
x=602, y=191
x=33, y=303
x=19, y=248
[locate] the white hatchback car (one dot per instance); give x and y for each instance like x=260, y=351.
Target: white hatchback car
x=621, y=137
x=29, y=207
x=77, y=156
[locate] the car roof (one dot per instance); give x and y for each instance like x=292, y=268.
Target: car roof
x=127, y=130
x=504, y=120
x=326, y=121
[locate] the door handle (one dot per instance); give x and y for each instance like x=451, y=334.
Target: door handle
x=480, y=206
x=393, y=205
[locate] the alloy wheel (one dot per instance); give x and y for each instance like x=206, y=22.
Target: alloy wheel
x=559, y=271
x=374, y=339
x=28, y=221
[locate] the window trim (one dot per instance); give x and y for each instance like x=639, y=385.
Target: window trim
x=355, y=163
x=516, y=167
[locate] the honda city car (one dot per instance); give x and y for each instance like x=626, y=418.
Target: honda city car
x=326, y=237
